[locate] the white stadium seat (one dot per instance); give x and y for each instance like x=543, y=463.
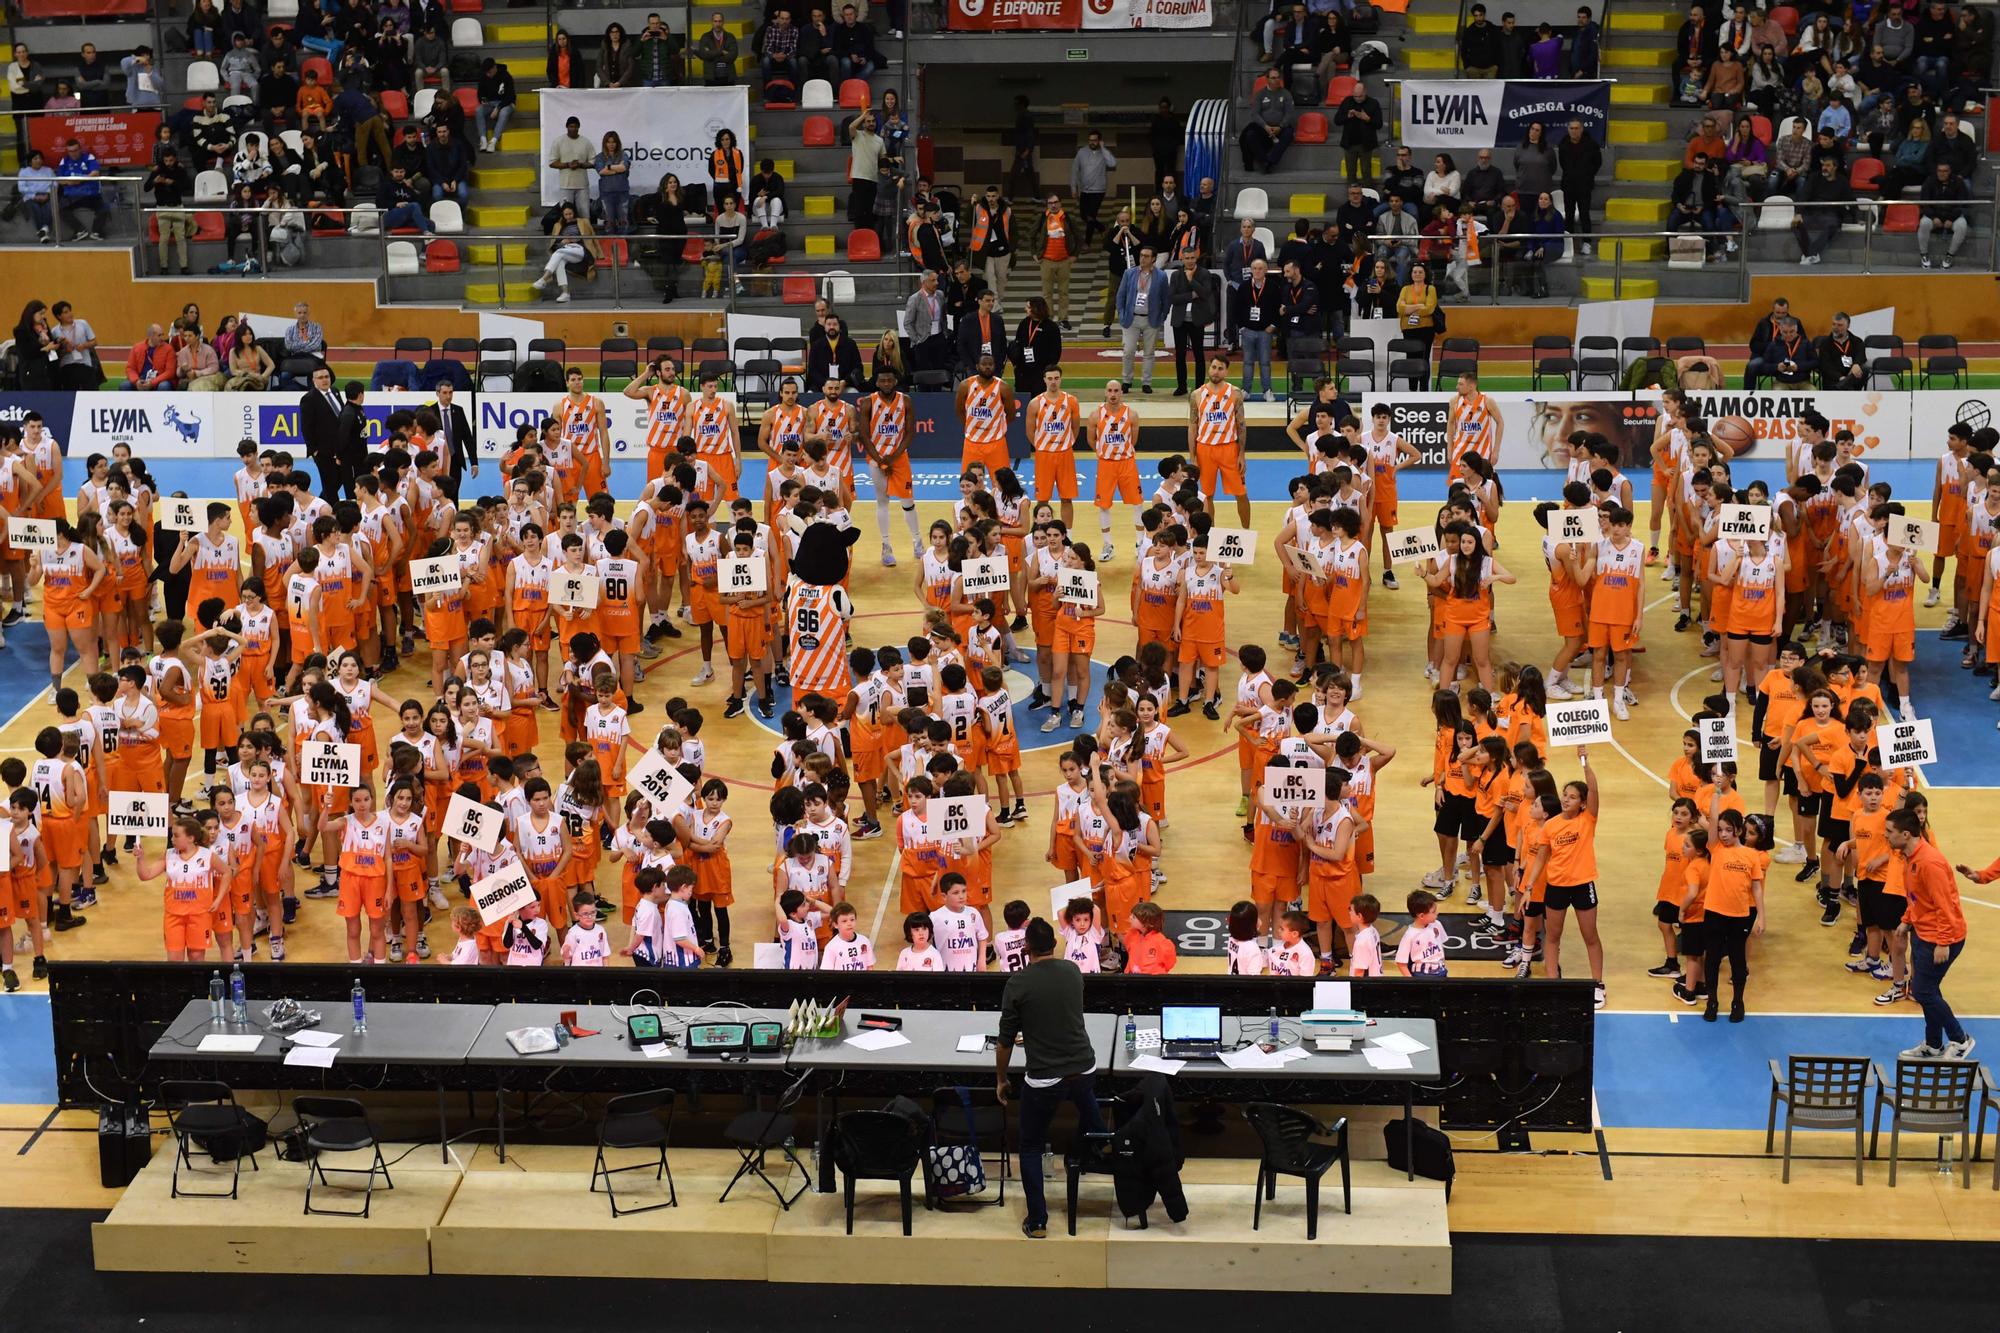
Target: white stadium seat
x=837, y=286
x=294, y=140
x=1269, y=240
x=1776, y=214
x=1253, y=203
x=283, y=9
x=364, y=220
x=423, y=102
x=467, y=35
x=203, y=76
x=402, y=258
x=816, y=95
x=211, y=187
x=447, y=217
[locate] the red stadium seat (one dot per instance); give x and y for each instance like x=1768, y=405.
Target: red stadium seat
x=1310, y=129
x=863, y=246
x=395, y=103
x=615, y=252
x=1760, y=126
x=1900, y=219
x=208, y=226
x=1339, y=89
x=817, y=132
x=1866, y=174
x=691, y=252
x=441, y=257
x=855, y=94
x=467, y=6
x=193, y=103
x=321, y=66
x=468, y=99
x=1787, y=18
x=799, y=290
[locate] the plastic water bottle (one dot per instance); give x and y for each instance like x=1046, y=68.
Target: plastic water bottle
x=239, y=996
x=215, y=994
x=360, y=1007
x=1131, y=1034
x=1274, y=1025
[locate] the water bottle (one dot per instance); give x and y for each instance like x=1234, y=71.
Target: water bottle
x=1131, y=1034
x=360, y=1007
x=215, y=993
x=239, y=1006
x=1274, y=1025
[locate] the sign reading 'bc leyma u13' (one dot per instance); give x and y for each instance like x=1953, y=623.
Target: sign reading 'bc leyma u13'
x=1496, y=113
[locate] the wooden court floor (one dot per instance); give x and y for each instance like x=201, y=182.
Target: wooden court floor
x=1797, y=965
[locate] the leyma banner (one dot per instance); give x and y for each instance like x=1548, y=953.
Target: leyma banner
x=1496, y=113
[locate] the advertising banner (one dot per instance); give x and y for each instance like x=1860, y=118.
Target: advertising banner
x=664, y=129
x=1013, y=15
x=1760, y=425
x=119, y=138
x=1496, y=113
x=1531, y=425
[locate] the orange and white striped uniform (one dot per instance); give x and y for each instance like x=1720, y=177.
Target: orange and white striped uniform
x=1115, y=435
x=1474, y=427
x=712, y=420
x=818, y=626
x=580, y=420
x=833, y=421
x=217, y=571
x=984, y=417
x=666, y=421
x=788, y=424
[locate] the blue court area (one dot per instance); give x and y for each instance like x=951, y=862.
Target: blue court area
x=1673, y=1071
x=1961, y=715
x=27, y=1051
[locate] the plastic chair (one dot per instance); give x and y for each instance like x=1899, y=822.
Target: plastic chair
x=876, y=1145
x=1553, y=358
x=321, y=66
x=1865, y=175
x=798, y=289
x=617, y=357
x=441, y=257
x=855, y=95
x=756, y=1133
x=205, y=1115
x=467, y=35
x=423, y=103
x=467, y=99
x=817, y=132
x=815, y=95
x=1939, y=355
x=1819, y=1092
x=632, y=1123
x=339, y=1125
x=204, y=76
x=1312, y=127
x=1760, y=127
x=395, y=103
x=863, y=246
x=1252, y=203
x=1267, y=238
x=402, y=259
x=1934, y=1096
x=1288, y=1136
x=665, y=344
x=547, y=349
x=1340, y=88
x=1092, y=1154
x=415, y=348
x=447, y=217
x=1989, y=1104
x=1687, y=344
x=210, y=187
x=1900, y=219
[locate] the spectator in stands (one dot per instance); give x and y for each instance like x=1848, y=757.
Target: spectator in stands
x=34, y=187
x=1479, y=47
x=250, y=365
x=1697, y=39
x=657, y=54
x=1586, y=47
x=1269, y=133
x=565, y=63
x=924, y=321
x=242, y=67
x=352, y=69
x=64, y=98
x=1144, y=298
x=1037, y=347
x=1057, y=254
x=81, y=193
x=725, y=167
x=1165, y=135
x=1953, y=146
x=1545, y=53
x=1793, y=153
x=1359, y=118
x=1815, y=227
x=1934, y=39
x=1697, y=200
x=570, y=157
x=430, y=58
x=894, y=127
x=204, y=28
x=1748, y=163
x=150, y=364
x=278, y=93
x=170, y=186
x=396, y=14
x=213, y=135
x=715, y=50
x=1356, y=217
x=1443, y=184
x=732, y=231
x=853, y=43
x=572, y=244
x=1303, y=325
x=1791, y=358
x=1942, y=211
x=142, y=81
x=304, y=336
x=1513, y=49
x=1398, y=225
x=400, y=202
x=238, y=16
x=1238, y=260
x=831, y=353
x=1185, y=237
x=287, y=174
x=76, y=341
x=1727, y=81
x=1843, y=361
x=93, y=76
x=325, y=183
x=926, y=236
x=1089, y=174
x=961, y=294
x=864, y=168
x=196, y=366
x=496, y=103
x=781, y=48
x=1417, y=316
x=614, y=184
x=1706, y=141
x=991, y=242
x=1835, y=118
x=1581, y=160
x=1194, y=303
x=1482, y=187
x=1375, y=291
x=314, y=103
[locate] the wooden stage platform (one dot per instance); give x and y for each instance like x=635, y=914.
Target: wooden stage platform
x=533, y=1215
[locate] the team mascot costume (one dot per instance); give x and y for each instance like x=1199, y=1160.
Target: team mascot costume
x=818, y=611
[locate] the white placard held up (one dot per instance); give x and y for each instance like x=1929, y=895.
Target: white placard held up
x=330, y=764
x=1914, y=534
x=1579, y=722
x=1302, y=562
x=31, y=534
x=1905, y=743
x=503, y=893
x=1718, y=740
x=6, y=853
x=742, y=575
x=1576, y=525
x=469, y=821
x=1062, y=895
x=1077, y=586
x=1407, y=546
x=138, y=813
x=433, y=576
x=1743, y=523
x=984, y=574
x=659, y=782
x=1232, y=546
x=1294, y=791
x=955, y=819
x=578, y=591
x=179, y=514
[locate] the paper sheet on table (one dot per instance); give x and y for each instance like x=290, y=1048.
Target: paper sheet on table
x=1400, y=1041
x=659, y=1050
x=1153, y=1064
x=1289, y=1054
x=1251, y=1057
x=878, y=1040
x=972, y=1043
x=229, y=1043
x=318, y=1057
x=313, y=1037
x=1385, y=1060
x=1333, y=995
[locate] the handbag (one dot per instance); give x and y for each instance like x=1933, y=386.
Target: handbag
x=956, y=1168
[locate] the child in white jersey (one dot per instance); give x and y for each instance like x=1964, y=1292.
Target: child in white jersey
x=465, y=926
x=1010, y=946
x=795, y=931
x=1293, y=957
x=919, y=954
x=1081, y=934
x=956, y=928
x=586, y=945
x=1367, y=958
x=848, y=950
x=1246, y=949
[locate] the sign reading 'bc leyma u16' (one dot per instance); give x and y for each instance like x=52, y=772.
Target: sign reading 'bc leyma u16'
x=1496, y=113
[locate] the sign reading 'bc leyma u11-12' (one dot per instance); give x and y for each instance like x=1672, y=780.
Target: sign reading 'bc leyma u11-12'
x=1496, y=113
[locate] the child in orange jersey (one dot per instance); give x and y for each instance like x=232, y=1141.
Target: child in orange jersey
x=195, y=892
x=705, y=834
x=1198, y=613
x=747, y=637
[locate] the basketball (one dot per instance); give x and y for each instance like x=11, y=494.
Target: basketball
x=1735, y=432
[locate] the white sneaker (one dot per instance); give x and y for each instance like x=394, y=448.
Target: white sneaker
x=1472, y=892
x=1791, y=854
x=1909, y=711
x=1355, y=697
x=1105, y=554
x=1625, y=693
x=1558, y=688
x=541, y=283
x=1958, y=1050
x=888, y=558
x=703, y=676
x=1921, y=1052
x=1431, y=672
x=561, y=297
x=1716, y=674
x=1618, y=708
x=438, y=900
x=1435, y=880
x=1931, y=598
x=1994, y=693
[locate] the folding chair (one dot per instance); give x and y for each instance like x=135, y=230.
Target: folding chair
x=205, y=1114
x=755, y=1133
x=339, y=1125
x=631, y=1123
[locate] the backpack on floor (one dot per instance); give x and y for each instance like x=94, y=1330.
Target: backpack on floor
x=1408, y=1139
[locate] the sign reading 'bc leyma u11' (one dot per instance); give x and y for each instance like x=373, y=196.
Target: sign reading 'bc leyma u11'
x=1496, y=113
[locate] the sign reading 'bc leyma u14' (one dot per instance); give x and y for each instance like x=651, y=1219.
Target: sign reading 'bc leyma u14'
x=1496, y=113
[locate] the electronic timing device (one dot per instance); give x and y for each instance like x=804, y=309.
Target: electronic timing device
x=643, y=1030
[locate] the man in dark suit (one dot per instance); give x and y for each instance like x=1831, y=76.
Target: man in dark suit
x=982, y=334
x=454, y=443
x=832, y=354
x=319, y=431
x=351, y=441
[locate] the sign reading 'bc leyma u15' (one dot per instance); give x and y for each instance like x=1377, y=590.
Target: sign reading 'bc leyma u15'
x=1496, y=113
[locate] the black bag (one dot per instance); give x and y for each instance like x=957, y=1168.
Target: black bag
x=249, y=1139
x=780, y=92
x=1408, y=1139
x=539, y=376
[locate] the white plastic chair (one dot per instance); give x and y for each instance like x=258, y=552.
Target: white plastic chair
x=1253, y=203
x=364, y=220
x=211, y=187
x=1785, y=128
x=837, y=286
x=816, y=95
x=294, y=140
x=423, y=102
x=403, y=259
x=1776, y=214
x=235, y=100
x=203, y=76
x=466, y=34
x=263, y=141
x=447, y=217
x=283, y=9
x=1269, y=240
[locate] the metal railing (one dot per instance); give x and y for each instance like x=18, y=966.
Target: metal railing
x=58, y=225
x=629, y=272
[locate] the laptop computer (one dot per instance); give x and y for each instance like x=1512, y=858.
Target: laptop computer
x=1191, y=1032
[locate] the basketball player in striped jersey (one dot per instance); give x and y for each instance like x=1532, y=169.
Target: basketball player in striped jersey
x=1114, y=435
x=584, y=429
x=817, y=616
x=784, y=421
x=1474, y=425
x=717, y=440
x=668, y=412
x=1052, y=418
x=884, y=436
x=1216, y=437
x=834, y=420
x=985, y=405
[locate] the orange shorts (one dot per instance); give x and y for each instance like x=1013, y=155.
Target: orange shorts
x=990, y=454
x=407, y=878
x=238, y=901
x=64, y=836
x=1055, y=474
x=1003, y=757
x=1346, y=628
x=1076, y=636
x=895, y=479
x=704, y=607
x=1208, y=654
x=1386, y=512
x=1118, y=478
x=220, y=725
x=1328, y=893
x=363, y=894
x=1568, y=614
x=615, y=642
x=1618, y=638
x=1887, y=643
x=177, y=736
x=534, y=624
x=747, y=637
x=187, y=934
x=1221, y=469
x=76, y=616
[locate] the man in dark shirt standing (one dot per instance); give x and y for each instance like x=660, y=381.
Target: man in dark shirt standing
x=1043, y=1007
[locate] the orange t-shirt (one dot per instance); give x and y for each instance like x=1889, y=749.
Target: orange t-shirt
x=1572, y=843
x=1732, y=870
